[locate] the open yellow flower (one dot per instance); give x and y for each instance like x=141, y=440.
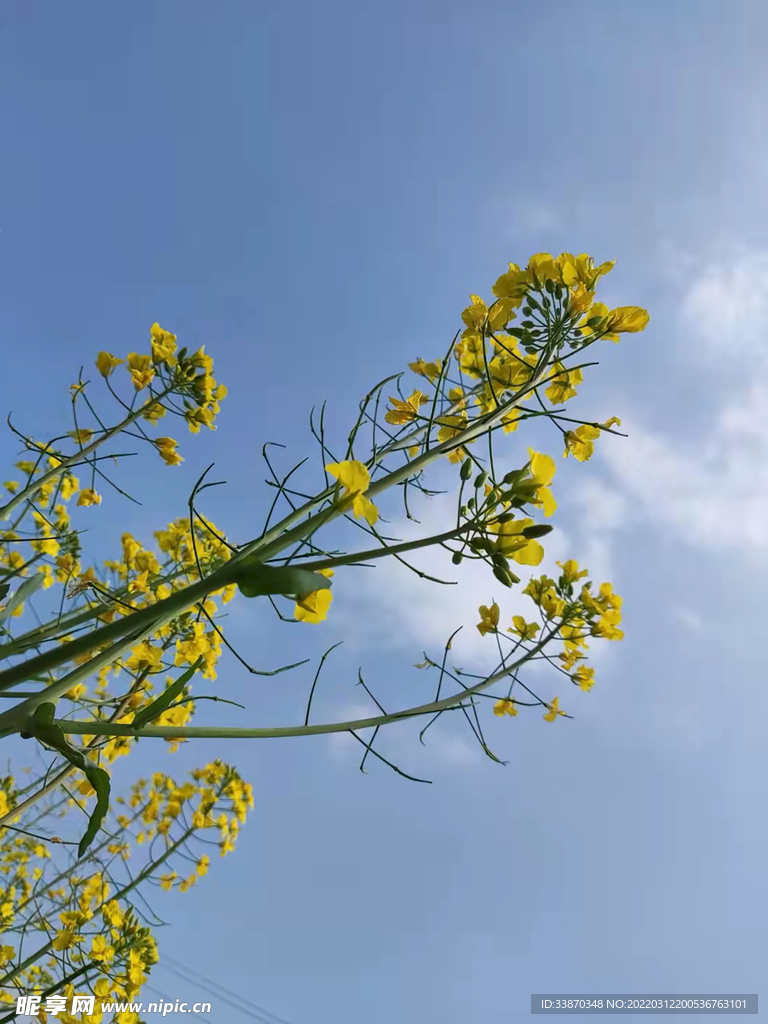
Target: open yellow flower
x=580, y=442
x=505, y=707
x=106, y=362
x=525, y=630
x=355, y=479
x=542, y=471
x=89, y=497
x=163, y=345
x=429, y=370
x=511, y=542
x=166, y=446
x=554, y=710
x=403, y=412
x=142, y=371
x=489, y=619
x=314, y=607
x=584, y=677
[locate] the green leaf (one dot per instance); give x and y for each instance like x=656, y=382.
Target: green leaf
x=256, y=580
x=4, y=588
x=166, y=698
x=43, y=729
x=27, y=589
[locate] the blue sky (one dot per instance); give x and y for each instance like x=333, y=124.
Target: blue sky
x=311, y=191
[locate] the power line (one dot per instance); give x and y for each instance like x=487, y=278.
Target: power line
x=249, y=1008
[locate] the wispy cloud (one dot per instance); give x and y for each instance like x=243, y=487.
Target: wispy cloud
x=712, y=488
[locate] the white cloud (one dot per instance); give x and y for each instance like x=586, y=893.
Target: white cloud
x=712, y=489
x=727, y=308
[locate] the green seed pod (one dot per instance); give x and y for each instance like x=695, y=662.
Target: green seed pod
x=505, y=577
x=536, y=531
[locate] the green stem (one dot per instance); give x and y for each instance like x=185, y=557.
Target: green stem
x=210, y=732
x=161, y=612
x=34, y=485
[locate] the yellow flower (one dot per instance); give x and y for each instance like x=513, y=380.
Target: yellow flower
x=145, y=656
x=571, y=571
x=89, y=497
x=554, y=710
x=154, y=412
x=542, y=471
x=141, y=369
x=525, y=630
x=105, y=363
x=197, y=417
x=355, y=479
x=101, y=951
x=626, y=320
x=489, y=619
x=562, y=386
x=163, y=345
x=584, y=677
x=81, y=435
x=513, y=544
x=69, y=486
x=166, y=880
x=404, y=412
x=512, y=285
x=505, y=707
x=580, y=442
x=65, y=939
x=167, y=448
x=429, y=370
x=314, y=607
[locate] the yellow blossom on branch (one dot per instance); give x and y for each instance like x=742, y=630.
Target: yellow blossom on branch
x=314, y=607
x=580, y=442
x=163, y=345
x=554, y=710
x=489, y=619
x=142, y=371
x=505, y=707
x=355, y=480
x=404, y=412
x=166, y=446
x=106, y=363
x=89, y=497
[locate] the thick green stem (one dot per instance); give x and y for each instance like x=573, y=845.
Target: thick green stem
x=158, y=613
x=211, y=732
